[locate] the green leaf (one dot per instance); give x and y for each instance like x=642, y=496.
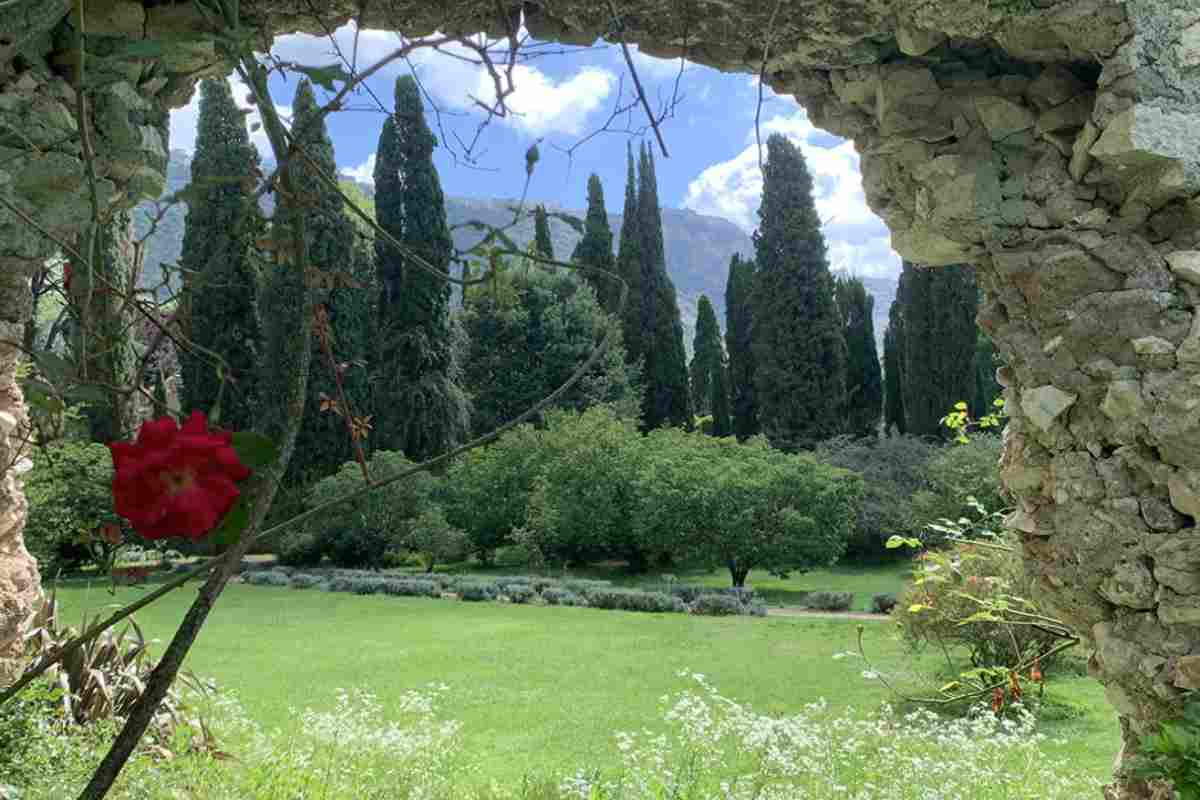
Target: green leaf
x=231, y=527
x=917, y=608
x=254, y=450
x=325, y=76
x=960, y=406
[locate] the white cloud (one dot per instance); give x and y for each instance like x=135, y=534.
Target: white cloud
x=364, y=172
x=541, y=104
x=184, y=120
x=858, y=240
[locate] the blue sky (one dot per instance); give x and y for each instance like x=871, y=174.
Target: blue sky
x=564, y=94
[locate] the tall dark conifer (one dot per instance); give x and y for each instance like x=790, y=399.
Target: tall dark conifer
x=421, y=410
x=220, y=263
x=939, y=306
x=738, y=317
x=864, y=379
x=629, y=266
x=595, y=248
x=324, y=443
x=707, y=356
x=719, y=400
x=799, y=349
x=542, y=245
x=665, y=372
x=893, y=371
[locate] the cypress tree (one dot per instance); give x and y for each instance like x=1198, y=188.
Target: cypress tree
x=987, y=389
x=738, y=316
x=220, y=263
x=707, y=355
x=722, y=423
x=893, y=371
x=100, y=335
x=542, y=245
x=421, y=409
x=799, y=349
x=939, y=306
x=864, y=379
x=323, y=443
x=629, y=266
x=665, y=371
x=595, y=248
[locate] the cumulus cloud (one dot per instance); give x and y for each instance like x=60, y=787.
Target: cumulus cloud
x=184, y=120
x=540, y=104
x=363, y=173
x=858, y=240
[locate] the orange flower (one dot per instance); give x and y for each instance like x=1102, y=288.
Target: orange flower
x=997, y=699
x=1035, y=673
x=1014, y=686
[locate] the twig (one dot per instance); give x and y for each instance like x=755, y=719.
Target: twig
x=762, y=75
x=637, y=82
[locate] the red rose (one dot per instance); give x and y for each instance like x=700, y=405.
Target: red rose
x=176, y=481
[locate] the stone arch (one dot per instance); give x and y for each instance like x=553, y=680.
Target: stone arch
x=1049, y=142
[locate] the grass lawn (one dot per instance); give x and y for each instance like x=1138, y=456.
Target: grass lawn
x=541, y=690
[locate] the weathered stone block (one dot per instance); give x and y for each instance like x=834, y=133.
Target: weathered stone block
x=1186, y=672
x=1071, y=115
x=1185, y=264
x=1123, y=401
x=1159, y=515
x=1003, y=117
x=1184, y=486
x=1177, y=563
x=1045, y=404
x=1176, y=609
x=917, y=41
x=1130, y=585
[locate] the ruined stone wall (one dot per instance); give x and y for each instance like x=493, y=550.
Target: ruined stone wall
x=1052, y=143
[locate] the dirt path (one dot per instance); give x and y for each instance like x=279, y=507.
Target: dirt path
x=805, y=612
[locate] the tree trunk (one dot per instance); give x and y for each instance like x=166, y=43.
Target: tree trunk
x=737, y=574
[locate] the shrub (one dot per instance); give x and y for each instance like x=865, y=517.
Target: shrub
x=951, y=586
x=719, y=604
x=434, y=539
x=716, y=605
x=360, y=533
x=300, y=549
x=519, y=592
x=70, y=497
x=478, y=592
x=957, y=473
x=883, y=603
x=585, y=587
x=305, y=581
x=830, y=601
x=893, y=468
x=556, y=596
x=411, y=587
x=268, y=577
x=541, y=584
x=631, y=600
